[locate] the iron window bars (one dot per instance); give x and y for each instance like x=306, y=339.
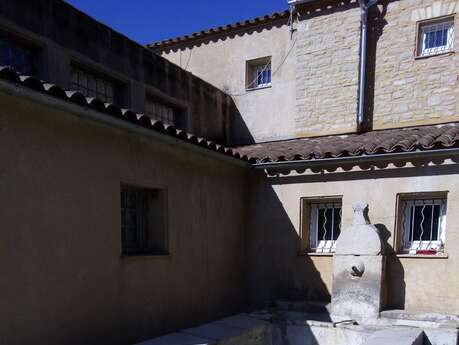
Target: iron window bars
x=436, y=37
x=325, y=226
x=423, y=225
x=17, y=56
x=160, y=111
x=263, y=75
x=134, y=208
x=93, y=85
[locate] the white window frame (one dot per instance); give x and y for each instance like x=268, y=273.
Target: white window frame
x=255, y=68
x=434, y=26
x=409, y=244
x=321, y=245
x=259, y=71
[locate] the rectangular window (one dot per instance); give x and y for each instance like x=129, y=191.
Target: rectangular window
x=321, y=224
x=158, y=110
x=436, y=37
x=143, y=221
x=94, y=85
x=258, y=74
x=422, y=225
x=17, y=55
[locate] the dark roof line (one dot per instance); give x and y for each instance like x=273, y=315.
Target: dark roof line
x=219, y=30
x=9, y=74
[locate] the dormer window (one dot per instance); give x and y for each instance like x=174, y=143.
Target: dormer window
x=436, y=37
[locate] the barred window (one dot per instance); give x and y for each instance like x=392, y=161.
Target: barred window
x=158, y=110
x=423, y=225
x=325, y=226
x=17, y=56
x=436, y=37
x=93, y=85
x=258, y=73
x=143, y=221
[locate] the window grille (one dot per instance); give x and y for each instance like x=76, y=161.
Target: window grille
x=423, y=225
x=263, y=75
x=17, y=56
x=437, y=37
x=160, y=111
x=133, y=219
x=325, y=226
x=93, y=85
x=143, y=224
x=258, y=73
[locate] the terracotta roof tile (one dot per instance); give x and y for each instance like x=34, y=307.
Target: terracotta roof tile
x=383, y=141
x=220, y=29
x=10, y=75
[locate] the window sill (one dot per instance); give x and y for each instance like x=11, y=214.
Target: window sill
x=146, y=256
x=421, y=256
x=258, y=88
x=315, y=254
x=421, y=57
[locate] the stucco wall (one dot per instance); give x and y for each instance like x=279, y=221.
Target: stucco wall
x=409, y=91
x=265, y=114
x=63, y=280
x=414, y=283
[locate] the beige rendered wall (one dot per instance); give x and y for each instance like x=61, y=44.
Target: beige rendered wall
x=414, y=283
x=410, y=91
x=63, y=280
x=265, y=114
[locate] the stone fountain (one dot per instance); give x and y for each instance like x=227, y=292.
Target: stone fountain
x=358, y=270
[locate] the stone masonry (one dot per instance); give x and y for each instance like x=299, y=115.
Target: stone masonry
x=409, y=90
x=327, y=69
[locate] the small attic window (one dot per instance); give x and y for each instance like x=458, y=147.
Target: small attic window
x=258, y=73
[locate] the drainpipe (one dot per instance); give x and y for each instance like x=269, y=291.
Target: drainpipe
x=364, y=6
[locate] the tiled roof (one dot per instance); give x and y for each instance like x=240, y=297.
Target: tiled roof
x=10, y=75
x=375, y=142
x=412, y=139
x=219, y=30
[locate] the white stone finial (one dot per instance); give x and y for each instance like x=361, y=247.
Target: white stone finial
x=359, y=216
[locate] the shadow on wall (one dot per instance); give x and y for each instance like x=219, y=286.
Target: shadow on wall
x=276, y=270
x=394, y=289
x=238, y=133
x=376, y=24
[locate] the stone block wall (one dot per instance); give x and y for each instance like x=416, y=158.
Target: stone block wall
x=327, y=69
x=408, y=90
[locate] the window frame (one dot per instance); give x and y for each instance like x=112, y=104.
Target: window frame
x=405, y=227
x=419, y=53
x=122, y=96
x=253, y=68
x=309, y=225
x=179, y=112
x=24, y=43
x=146, y=247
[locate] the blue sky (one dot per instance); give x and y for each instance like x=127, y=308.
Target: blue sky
x=147, y=21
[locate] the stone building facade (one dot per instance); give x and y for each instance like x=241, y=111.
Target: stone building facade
x=403, y=89
x=241, y=150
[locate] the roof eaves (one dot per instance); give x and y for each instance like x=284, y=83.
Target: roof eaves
x=164, y=44
x=111, y=114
